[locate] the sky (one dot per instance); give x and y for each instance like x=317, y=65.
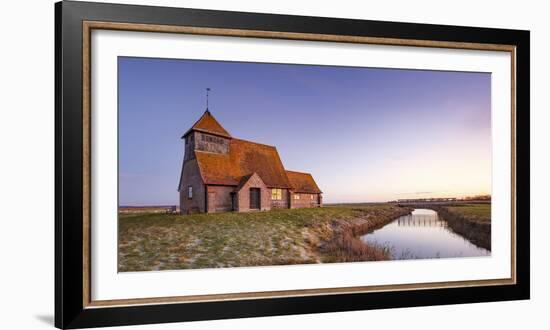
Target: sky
x=365, y=134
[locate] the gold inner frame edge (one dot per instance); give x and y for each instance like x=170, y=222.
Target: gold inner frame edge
x=88, y=26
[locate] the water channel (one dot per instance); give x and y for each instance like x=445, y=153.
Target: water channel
x=421, y=235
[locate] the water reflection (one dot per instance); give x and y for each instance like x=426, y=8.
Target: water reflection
x=423, y=234
x=421, y=221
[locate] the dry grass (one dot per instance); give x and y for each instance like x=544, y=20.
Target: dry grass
x=148, y=209
x=163, y=241
x=346, y=248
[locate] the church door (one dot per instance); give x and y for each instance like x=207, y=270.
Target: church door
x=254, y=198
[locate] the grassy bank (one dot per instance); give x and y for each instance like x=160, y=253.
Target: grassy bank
x=472, y=221
x=329, y=234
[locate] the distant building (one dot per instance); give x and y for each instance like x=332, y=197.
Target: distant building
x=221, y=173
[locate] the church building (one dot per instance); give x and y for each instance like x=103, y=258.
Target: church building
x=221, y=173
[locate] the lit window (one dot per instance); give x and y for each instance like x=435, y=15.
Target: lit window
x=296, y=196
x=311, y=197
x=277, y=194
x=190, y=192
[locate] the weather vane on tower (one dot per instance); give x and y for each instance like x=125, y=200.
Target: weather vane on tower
x=207, y=95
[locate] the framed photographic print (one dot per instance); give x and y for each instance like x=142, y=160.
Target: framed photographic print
x=216, y=164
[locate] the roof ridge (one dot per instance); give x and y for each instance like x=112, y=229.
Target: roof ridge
x=298, y=172
x=261, y=144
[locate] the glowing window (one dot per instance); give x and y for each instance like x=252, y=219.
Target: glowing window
x=276, y=194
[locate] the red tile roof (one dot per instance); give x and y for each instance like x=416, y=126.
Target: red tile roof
x=208, y=124
x=302, y=182
x=244, y=158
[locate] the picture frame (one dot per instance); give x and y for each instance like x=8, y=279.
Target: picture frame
x=74, y=23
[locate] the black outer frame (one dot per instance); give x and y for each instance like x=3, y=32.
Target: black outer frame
x=69, y=308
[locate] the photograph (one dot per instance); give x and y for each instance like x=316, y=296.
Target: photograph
x=240, y=163
x=244, y=164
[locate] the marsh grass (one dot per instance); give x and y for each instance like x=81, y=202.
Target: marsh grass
x=154, y=241
x=472, y=221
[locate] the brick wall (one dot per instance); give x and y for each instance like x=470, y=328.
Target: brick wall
x=219, y=198
x=280, y=204
x=191, y=177
x=305, y=200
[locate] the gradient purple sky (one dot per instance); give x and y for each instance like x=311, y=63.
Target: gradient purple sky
x=366, y=134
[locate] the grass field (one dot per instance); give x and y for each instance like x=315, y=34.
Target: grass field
x=153, y=241
x=475, y=212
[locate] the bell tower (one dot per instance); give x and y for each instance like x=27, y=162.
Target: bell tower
x=206, y=135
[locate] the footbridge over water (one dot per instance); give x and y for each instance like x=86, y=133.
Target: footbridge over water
x=430, y=203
